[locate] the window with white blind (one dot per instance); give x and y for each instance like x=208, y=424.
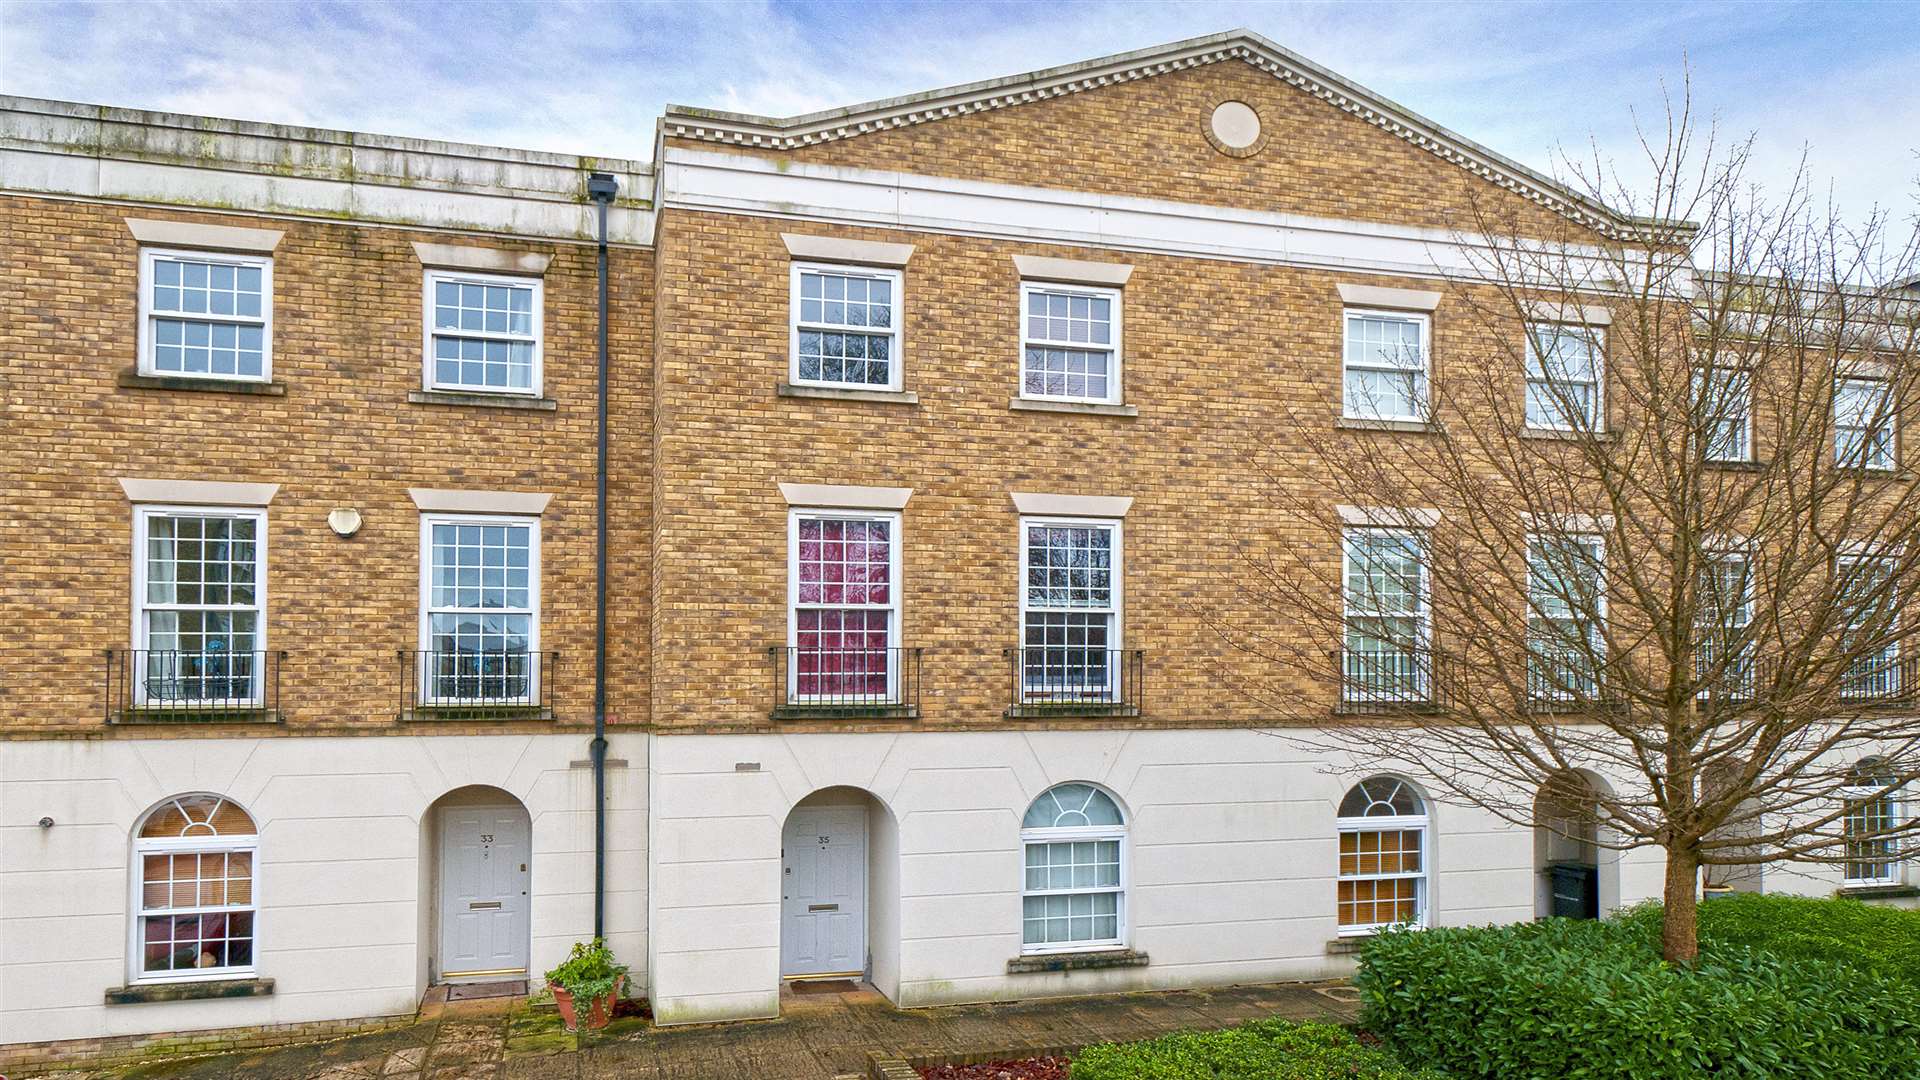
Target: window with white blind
x=1386, y=366
x=195, y=899
x=1073, y=896
x=205, y=315
x=845, y=606
x=846, y=327
x=199, y=605
x=483, y=332
x=1069, y=343
x=1070, y=574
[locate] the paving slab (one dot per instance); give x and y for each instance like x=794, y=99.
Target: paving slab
x=819, y=1036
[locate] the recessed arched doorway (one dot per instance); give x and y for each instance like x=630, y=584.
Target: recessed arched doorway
x=482, y=873
x=839, y=890
x=1566, y=847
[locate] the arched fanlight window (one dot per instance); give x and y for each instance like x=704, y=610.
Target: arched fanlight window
x=1873, y=812
x=1383, y=856
x=196, y=900
x=1074, y=893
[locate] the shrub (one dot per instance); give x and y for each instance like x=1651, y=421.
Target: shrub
x=1591, y=1000
x=1882, y=940
x=1256, y=1050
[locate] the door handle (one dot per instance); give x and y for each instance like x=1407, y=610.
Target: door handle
x=823, y=907
x=478, y=904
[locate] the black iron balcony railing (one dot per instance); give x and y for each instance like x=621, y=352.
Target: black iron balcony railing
x=1879, y=680
x=466, y=684
x=1567, y=683
x=159, y=685
x=1726, y=672
x=1067, y=680
x=1385, y=681
x=852, y=683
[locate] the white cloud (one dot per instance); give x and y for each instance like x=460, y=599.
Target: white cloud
x=592, y=77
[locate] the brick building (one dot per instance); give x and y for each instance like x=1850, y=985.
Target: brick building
x=928, y=424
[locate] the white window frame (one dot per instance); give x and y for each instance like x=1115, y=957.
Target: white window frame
x=1895, y=868
x=1743, y=375
x=1744, y=613
x=896, y=367
x=1891, y=674
x=537, y=376
x=1889, y=420
x=1116, y=578
x=1424, y=399
x=1116, y=297
x=148, y=316
x=1597, y=335
x=169, y=845
x=1423, y=887
x=427, y=611
x=1422, y=615
x=143, y=515
x=1599, y=543
x=797, y=514
x=1080, y=834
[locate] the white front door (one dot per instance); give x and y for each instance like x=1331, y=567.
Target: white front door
x=823, y=892
x=484, y=856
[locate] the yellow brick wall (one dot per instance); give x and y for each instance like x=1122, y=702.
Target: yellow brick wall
x=347, y=347
x=1220, y=358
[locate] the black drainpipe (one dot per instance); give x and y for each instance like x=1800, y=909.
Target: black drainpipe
x=601, y=188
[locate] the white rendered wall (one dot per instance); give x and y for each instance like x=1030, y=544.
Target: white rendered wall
x=342, y=874
x=1232, y=849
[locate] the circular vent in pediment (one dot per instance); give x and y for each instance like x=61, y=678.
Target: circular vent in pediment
x=1234, y=129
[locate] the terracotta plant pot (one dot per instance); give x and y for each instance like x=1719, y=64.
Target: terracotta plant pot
x=599, y=1014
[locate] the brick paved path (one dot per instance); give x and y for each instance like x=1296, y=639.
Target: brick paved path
x=821, y=1037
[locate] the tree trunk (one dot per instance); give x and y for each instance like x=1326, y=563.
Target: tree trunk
x=1680, y=918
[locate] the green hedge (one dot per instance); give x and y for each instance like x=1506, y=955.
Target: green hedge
x=1592, y=1000
x=1257, y=1050
x=1878, y=939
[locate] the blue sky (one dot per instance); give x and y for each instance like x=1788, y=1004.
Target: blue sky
x=1530, y=80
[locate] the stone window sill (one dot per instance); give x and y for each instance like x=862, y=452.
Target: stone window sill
x=1731, y=465
x=1356, y=423
x=484, y=401
x=1076, y=961
x=838, y=393
x=1085, y=408
x=846, y=712
x=238, y=715
x=1565, y=434
x=131, y=379
x=1878, y=892
x=191, y=990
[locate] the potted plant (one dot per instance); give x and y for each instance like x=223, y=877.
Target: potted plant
x=589, y=975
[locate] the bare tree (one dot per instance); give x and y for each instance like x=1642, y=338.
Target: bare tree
x=1649, y=517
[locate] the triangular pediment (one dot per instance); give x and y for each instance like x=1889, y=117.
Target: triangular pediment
x=1239, y=46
